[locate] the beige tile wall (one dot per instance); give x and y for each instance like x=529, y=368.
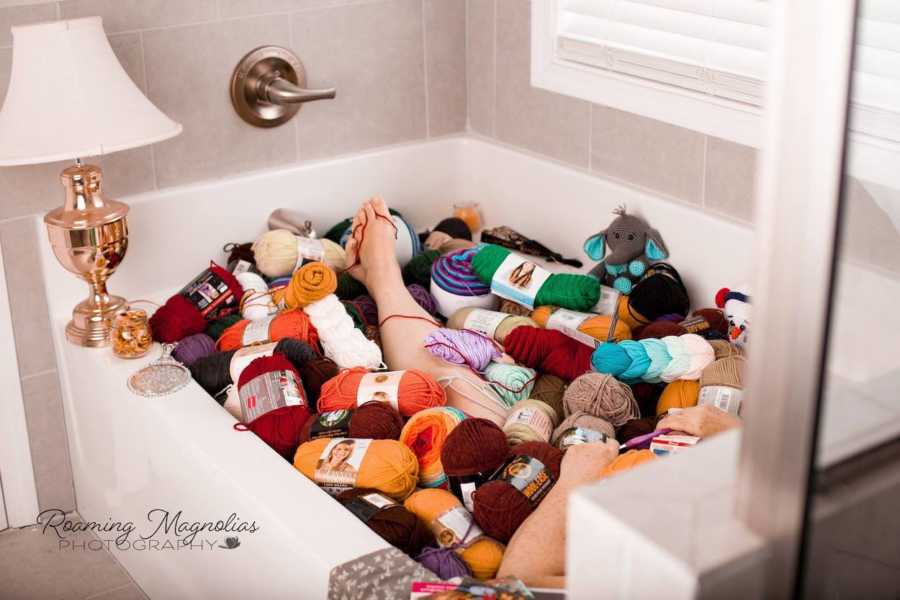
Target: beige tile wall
x=400, y=70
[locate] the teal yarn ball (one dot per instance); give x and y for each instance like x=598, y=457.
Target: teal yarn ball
x=680, y=362
x=659, y=357
x=640, y=362
x=511, y=382
x=609, y=358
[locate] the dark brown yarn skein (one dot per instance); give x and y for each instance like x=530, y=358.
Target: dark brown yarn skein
x=500, y=508
x=315, y=372
x=637, y=427
x=377, y=421
x=394, y=524
x=471, y=453
x=549, y=389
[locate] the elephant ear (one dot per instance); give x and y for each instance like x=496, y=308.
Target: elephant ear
x=595, y=246
x=655, y=248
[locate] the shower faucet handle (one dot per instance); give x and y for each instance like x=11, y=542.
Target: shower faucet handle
x=268, y=86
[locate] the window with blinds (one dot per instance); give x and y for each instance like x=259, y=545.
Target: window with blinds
x=875, y=104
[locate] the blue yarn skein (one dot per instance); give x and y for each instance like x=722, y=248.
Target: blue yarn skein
x=640, y=362
x=610, y=359
x=659, y=358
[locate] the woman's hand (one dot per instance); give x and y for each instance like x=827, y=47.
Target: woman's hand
x=702, y=421
x=582, y=463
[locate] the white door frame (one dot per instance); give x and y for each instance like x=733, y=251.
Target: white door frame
x=18, y=493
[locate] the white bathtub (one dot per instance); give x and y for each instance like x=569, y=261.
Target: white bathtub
x=132, y=454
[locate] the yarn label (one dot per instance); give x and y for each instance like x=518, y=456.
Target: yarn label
x=696, y=324
x=528, y=475
x=339, y=464
x=257, y=331
x=241, y=266
x=568, y=322
x=210, y=294
x=663, y=445
x=455, y=526
x=608, y=303
x=368, y=505
x=519, y=279
x=243, y=357
x=309, y=250
x=536, y=420
x=484, y=321
x=335, y=423
x=574, y=436
x=723, y=397
x=464, y=486
x=269, y=391
x=380, y=387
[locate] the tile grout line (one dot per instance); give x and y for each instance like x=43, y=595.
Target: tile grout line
x=494, y=74
x=147, y=85
x=425, y=69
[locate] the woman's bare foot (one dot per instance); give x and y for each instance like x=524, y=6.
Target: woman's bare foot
x=371, y=247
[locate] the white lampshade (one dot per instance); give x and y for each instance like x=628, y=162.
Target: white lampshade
x=69, y=97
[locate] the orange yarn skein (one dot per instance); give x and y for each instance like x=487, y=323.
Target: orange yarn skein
x=597, y=326
x=311, y=282
x=287, y=324
x=418, y=390
x=626, y=461
x=681, y=393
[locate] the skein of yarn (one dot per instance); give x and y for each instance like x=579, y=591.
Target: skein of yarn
x=315, y=372
x=444, y=562
x=418, y=270
x=678, y=394
x=513, y=308
x=627, y=461
x=516, y=489
x=423, y=298
x=530, y=421
x=637, y=427
x=568, y=290
x=279, y=252
x=348, y=287
x=659, y=292
x=581, y=428
x=601, y=396
x=488, y=322
x=396, y=525
x=256, y=303
x=462, y=347
x=678, y=357
x=211, y=295
x=310, y=283
x=722, y=384
x=550, y=389
x=425, y=434
x=455, y=285
x=376, y=420
x=550, y=352
x=287, y=324
x=192, y=348
x=408, y=391
x=455, y=530
x=215, y=328
x=471, y=453
x=513, y=383
x=340, y=340
x=383, y=465
x=595, y=327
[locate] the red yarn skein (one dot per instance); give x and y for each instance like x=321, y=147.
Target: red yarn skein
x=377, y=421
x=548, y=351
x=474, y=446
x=279, y=428
x=179, y=317
x=418, y=390
x=500, y=508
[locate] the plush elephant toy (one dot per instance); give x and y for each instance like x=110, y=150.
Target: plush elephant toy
x=633, y=246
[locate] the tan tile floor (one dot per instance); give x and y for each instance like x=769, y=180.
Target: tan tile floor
x=33, y=567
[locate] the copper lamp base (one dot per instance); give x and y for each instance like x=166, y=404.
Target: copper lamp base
x=89, y=237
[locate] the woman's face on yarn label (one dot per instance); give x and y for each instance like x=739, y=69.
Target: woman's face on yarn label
x=341, y=452
x=339, y=464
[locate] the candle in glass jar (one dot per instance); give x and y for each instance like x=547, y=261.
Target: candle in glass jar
x=469, y=214
x=131, y=336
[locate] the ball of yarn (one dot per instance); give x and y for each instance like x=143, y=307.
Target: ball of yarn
x=597, y=327
x=530, y=421
x=660, y=329
x=725, y=371
x=512, y=383
x=396, y=525
x=215, y=328
x=725, y=349
x=287, y=324
x=367, y=308
x=418, y=270
x=679, y=362
x=311, y=282
x=239, y=252
x=278, y=428
x=347, y=287
x=507, y=324
x=423, y=298
x=481, y=554
x=678, y=394
x=716, y=319
x=315, y=372
x=418, y=390
x=513, y=308
x=193, y=348
x=256, y=303
x=700, y=355
x=454, y=244
x=628, y=315
x=572, y=291
x=340, y=340
x=499, y=507
x=549, y=351
x=444, y=562
x=179, y=317
x=601, y=396
x=658, y=355
x=425, y=434
x=455, y=228
x=475, y=446
x=660, y=292
x=636, y=428
x=388, y=466
x=550, y=389
x=277, y=253
x=647, y=395
x=639, y=361
x=455, y=285
x=582, y=420
x=377, y=421
x=627, y=461
x=462, y=347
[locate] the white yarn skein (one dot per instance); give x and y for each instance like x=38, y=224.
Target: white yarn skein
x=342, y=342
x=257, y=301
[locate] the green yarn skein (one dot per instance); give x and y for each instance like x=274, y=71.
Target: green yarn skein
x=418, y=270
x=569, y=290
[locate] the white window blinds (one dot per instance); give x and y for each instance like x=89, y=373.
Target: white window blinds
x=876, y=79
x=716, y=47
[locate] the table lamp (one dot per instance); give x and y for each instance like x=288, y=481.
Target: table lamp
x=69, y=97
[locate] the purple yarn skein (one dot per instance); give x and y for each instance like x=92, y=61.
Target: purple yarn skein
x=443, y=562
x=423, y=298
x=193, y=348
x=462, y=347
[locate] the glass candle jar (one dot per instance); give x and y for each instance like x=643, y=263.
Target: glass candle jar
x=131, y=336
x=469, y=214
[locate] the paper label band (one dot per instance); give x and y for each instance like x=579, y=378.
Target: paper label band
x=519, y=279
x=722, y=396
x=531, y=417
x=695, y=324
x=269, y=391
x=257, y=331
x=574, y=436
x=368, y=505
x=484, y=321
x=209, y=294
x=450, y=528
x=339, y=463
x=568, y=322
x=528, y=475
x=672, y=444
x=380, y=387
x=608, y=303
x=335, y=423
x=246, y=355
x=241, y=266
x=463, y=486
x=309, y=250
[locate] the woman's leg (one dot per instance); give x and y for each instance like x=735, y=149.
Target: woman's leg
x=402, y=337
